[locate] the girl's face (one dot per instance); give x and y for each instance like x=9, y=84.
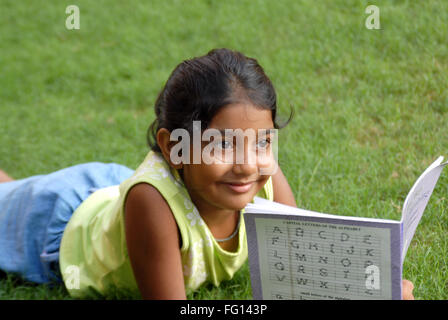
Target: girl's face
x=230, y=185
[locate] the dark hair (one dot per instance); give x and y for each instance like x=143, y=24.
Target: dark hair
x=198, y=88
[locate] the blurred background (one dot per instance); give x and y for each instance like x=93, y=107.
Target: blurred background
x=371, y=105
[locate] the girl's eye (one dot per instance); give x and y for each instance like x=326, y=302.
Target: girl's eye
x=226, y=144
x=263, y=143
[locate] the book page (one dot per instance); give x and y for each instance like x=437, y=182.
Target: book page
x=261, y=205
x=325, y=259
x=417, y=199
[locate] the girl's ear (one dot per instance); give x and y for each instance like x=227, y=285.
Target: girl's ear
x=163, y=140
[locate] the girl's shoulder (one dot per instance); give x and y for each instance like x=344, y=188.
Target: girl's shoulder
x=155, y=185
x=152, y=235
x=146, y=208
x=155, y=171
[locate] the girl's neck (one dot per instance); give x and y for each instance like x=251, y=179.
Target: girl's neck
x=221, y=223
x=214, y=216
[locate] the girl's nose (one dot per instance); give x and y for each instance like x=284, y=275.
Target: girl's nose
x=246, y=169
x=247, y=165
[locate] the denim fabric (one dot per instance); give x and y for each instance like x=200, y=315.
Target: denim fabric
x=34, y=212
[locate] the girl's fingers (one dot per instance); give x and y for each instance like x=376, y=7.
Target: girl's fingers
x=408, y=286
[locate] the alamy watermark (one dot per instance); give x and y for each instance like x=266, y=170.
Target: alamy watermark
x=228, y=146
x=373, y=20
x=72, y=275
x=372, y=277
x=73, y=20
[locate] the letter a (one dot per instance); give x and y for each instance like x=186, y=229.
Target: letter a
x=72, y=277
x=373, y=21
x=373, y=277
x=277, y=229
x=72, y=21
x=182, y=147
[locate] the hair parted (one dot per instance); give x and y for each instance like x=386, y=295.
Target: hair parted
x=198, y=88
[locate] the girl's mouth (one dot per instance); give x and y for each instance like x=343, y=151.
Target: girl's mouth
x=239, y=187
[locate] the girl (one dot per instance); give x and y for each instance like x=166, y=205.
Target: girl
x=167, y=227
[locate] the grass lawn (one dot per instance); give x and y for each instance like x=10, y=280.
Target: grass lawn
x=371, y=106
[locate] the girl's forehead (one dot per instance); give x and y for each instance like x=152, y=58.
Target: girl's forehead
x=242, y=115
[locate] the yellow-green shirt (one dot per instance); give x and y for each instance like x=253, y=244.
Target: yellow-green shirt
x=93, y=255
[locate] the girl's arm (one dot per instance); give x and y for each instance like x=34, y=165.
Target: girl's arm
x=153, y=244
x=282, y=191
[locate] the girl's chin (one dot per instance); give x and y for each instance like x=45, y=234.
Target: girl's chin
x=231, y=199
x=237, y=202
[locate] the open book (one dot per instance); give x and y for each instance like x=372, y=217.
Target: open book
x=301, y=254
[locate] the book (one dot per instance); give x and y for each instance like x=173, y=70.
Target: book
x=301, y=254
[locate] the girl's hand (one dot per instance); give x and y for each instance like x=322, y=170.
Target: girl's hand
x=407, y=287
x=282, y=190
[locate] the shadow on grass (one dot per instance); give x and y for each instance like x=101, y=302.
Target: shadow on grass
x=14, y=287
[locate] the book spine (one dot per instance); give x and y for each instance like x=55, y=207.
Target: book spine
x=396, y=243
x=253, y=253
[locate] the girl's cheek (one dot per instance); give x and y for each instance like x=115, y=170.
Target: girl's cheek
x=216, y=172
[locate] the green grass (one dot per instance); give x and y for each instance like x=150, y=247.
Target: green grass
x=371, y=106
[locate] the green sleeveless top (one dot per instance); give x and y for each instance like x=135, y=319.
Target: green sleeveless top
x=93, y=255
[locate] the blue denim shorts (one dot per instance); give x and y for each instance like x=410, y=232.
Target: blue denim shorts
x=34, y=212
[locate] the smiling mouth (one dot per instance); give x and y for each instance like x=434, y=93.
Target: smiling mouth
x=239, y=187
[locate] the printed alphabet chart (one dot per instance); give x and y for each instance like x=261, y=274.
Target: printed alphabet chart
x=300, y=254
x=316, y=260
